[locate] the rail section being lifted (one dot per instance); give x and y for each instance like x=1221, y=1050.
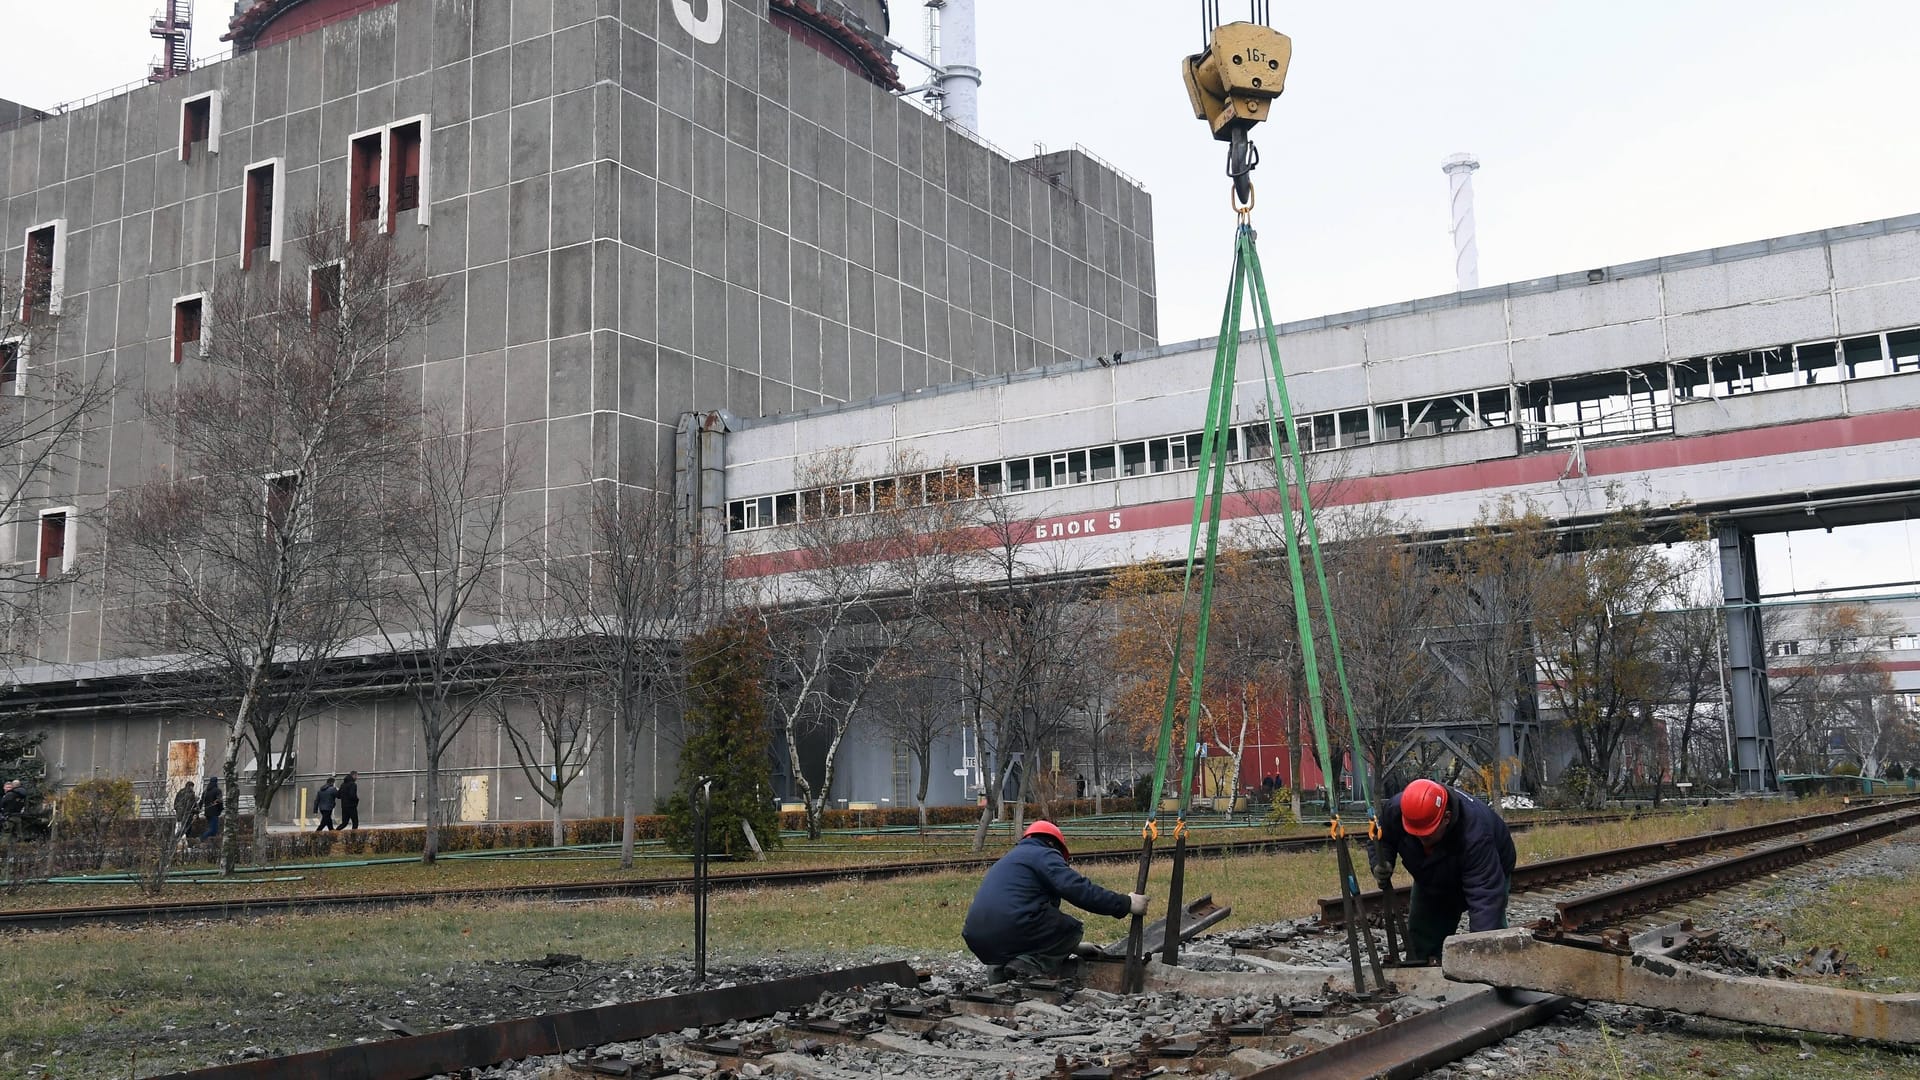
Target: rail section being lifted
x=459, y=1049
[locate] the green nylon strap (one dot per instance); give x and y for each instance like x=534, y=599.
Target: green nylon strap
x=1209, y=493
x=1301, y=483
x=1275, y=384
x=1229, y=333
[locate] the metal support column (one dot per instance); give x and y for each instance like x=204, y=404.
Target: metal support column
x=1746, y=663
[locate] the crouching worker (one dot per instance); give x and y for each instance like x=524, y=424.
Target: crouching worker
x=1015, y=925
x=1460, y=855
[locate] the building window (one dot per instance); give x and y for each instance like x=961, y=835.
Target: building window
x=406, y=168
x=261, y=229
x=10, y=366
x=200, y=124
x=53, y=543
x=40, y=277
x=323, y=291
x=1903, y=349
x=282, y=511
x=187, y=314
x=365, y=174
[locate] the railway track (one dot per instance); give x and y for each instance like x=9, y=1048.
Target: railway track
x=53, y=918
x=1403, y=1049
x=1410, y=1048
x=1534, y=876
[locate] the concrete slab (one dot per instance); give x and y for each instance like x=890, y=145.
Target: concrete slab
x=1516, y=958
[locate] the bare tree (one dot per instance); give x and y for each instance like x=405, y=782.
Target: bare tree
x=452, y=543
x=1025, y=637
x=1387, y=599
x=918, y=707
x=627, y=588
x=1692, y=701
x=1490, y=585
x=546, y=712
x=1834, y=682
x=1597, y=620
x=250, y=556
x=869, y=554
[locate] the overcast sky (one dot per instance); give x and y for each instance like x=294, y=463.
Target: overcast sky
x=1606, y=132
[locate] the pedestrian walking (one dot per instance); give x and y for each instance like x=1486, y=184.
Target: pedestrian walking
x=212, y=805
x=349, y=797
x=323, y=805
x=185, y=802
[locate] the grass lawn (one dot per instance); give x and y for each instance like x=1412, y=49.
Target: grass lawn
x=98, y=993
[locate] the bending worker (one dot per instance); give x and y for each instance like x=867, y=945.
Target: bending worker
x=1460, y=855
x=1015, y=925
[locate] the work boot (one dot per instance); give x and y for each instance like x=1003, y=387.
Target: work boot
x=1025, y=968
x=996, y=974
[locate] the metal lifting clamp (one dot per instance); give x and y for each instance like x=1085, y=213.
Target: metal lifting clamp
x=1232, y=84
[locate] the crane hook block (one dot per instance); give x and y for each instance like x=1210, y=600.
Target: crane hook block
x=1232, y=85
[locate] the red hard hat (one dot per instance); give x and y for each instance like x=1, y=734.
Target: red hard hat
x=1423, y=806
x=1049, y=829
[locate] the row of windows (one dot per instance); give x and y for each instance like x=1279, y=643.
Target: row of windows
x=1640, y=400
x=1608, y=404
x=1815, y=646
x=1143, y=457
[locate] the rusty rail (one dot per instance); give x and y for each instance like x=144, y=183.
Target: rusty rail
x=1667, y=889
x=235, y=908
x=1547, y=872
x=1410, y=1047
x=458, y=1049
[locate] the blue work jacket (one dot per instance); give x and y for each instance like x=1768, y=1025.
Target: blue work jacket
x=1472, y=862
x=1017, y=907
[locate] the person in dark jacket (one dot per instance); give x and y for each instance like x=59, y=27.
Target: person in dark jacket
x=1015, y=925
x=212, y=805
x=13, y=803
x=349, y=796
x=185, y=802
x=1460, y=855
x=323, y=805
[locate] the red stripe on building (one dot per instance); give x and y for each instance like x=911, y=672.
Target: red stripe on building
x=1541, y=467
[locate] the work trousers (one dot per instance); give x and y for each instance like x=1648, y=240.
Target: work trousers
x=1043, y=962
x=1433, y=918
x=326, y=821
x=350, y=815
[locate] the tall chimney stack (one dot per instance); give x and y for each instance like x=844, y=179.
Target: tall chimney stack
x=959, y=73
x=1466, y=253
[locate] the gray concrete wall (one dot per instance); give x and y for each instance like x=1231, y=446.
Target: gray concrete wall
x=630, y=224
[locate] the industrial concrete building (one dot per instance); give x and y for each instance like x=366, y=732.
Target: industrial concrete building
x=1770, y=386
x=638, y=210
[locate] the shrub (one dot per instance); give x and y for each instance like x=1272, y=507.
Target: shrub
x=1280, y=813
x=90, y=811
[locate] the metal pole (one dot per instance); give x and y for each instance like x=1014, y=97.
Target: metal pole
x=703, y=806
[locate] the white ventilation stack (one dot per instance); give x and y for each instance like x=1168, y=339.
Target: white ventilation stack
x=1466, y=253
x=958, y=74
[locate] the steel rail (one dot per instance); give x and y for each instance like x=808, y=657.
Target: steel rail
x=1547, y=872
x=1667, y=889
x=456, y=1050
x=1410, y=1047
x=245, y=907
